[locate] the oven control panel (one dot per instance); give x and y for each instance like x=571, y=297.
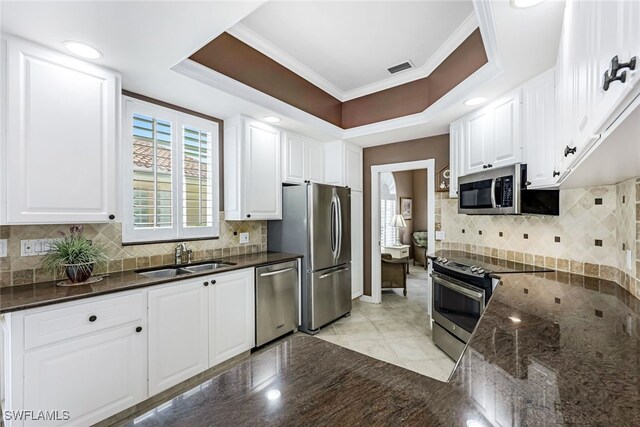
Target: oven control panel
x=462, y=268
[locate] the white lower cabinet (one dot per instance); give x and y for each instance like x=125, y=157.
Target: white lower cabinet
x=96, y=357
x=231, y=315
x=88, y=358
x=92, y=377
x=178, y=336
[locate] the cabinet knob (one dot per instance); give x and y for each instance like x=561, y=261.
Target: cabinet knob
x=568, y=150
x=93, y=318
x=213, y=282
x=248, y=215
x=139, y=329
x=616, y=66
x=112, y=217
x=484, y=166
x=527, y=183
x=206, y=283
x=556, y=173
x=489, y=165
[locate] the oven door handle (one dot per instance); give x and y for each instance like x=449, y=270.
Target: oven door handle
x=478, y=296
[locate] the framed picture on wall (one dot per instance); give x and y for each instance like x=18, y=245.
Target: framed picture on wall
x=406, y=206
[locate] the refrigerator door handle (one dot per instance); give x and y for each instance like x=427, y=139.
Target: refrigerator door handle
x=333, y=228
x=334, y=272
x=339, y=228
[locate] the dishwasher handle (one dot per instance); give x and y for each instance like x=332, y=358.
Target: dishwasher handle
x=273, y=273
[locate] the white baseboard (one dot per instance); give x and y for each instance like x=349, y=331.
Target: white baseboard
x=367, y=298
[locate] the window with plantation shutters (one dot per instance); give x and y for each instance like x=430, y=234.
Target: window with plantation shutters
x=388, y=197
x=170, y=178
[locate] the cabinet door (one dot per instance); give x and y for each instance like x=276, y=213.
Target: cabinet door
x=62, y=119
x=455, y=157
x=178, y=346
x=539, y=129
x=507, y=136
x=92, y=377
x=293, y=167
x=314, y=162
x=477, y=140
x=353, y=167
x=357, y=243
x=231, y=315
x=609, y=28
x=263, y=184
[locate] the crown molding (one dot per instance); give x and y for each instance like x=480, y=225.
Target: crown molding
x=456, y=38
x=247, y=36
x=486, y=73
x=460, y=34
x=226, y=84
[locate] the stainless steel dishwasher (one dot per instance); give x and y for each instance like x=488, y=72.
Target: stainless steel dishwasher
x=276, y=300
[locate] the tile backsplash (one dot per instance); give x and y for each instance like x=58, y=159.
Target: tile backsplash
x=17, y=270
x=586, y=238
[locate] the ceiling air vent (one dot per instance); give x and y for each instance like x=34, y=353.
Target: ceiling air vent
x=400, y=67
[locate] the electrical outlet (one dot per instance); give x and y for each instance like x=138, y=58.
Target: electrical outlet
x=3, y=248
x=440, y=235
x=35, y=247
x=244, y=237
x=629, y=260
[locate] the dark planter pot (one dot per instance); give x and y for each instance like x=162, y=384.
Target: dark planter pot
x=79, y=272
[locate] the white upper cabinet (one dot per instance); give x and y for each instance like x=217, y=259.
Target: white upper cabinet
x=491, y=136
x=507, y=136
x=302, y=159
x=593, y=34
x=539, y=132
x=231, y=315
x=252, y=175
x=62, y=122
x=456, y=157
x=343, y=164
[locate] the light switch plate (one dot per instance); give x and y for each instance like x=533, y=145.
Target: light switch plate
x=35, y=247
x=244, y=237
x=629, y=260
x=3, y=248
x=440, y=235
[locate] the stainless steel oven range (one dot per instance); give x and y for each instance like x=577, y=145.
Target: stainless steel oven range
x=460, y=293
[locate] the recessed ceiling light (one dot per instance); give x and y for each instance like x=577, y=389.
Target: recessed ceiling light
x=271, y=119
x=82, y=49
x=523, y=4
x=475, y=101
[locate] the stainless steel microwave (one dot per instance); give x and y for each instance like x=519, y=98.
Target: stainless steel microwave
x=503, y=191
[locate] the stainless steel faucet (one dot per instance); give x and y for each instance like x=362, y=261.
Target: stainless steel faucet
x=180, y=250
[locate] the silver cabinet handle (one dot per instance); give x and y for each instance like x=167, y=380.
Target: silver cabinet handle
x=334, y=272
x=273, y=273
x=479, y=296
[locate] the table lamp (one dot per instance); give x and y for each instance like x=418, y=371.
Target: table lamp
x=397, y=221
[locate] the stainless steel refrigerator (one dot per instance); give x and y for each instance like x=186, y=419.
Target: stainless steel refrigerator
x=316, y=222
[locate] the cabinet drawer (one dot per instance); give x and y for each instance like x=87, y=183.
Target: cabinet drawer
x=80, y=318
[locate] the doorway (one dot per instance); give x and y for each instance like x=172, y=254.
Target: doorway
x=377, y=213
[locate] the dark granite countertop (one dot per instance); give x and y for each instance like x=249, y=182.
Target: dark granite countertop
x=490, y=264
x=550, y=349
x=38, y=294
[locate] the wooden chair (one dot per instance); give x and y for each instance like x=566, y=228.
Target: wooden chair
x=394, y=273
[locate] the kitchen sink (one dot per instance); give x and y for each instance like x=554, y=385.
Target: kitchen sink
x=164, y=273
x=210, y=266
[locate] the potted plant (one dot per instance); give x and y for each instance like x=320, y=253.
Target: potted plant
x=75, y=254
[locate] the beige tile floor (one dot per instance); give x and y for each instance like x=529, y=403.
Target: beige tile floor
x=396, y=331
